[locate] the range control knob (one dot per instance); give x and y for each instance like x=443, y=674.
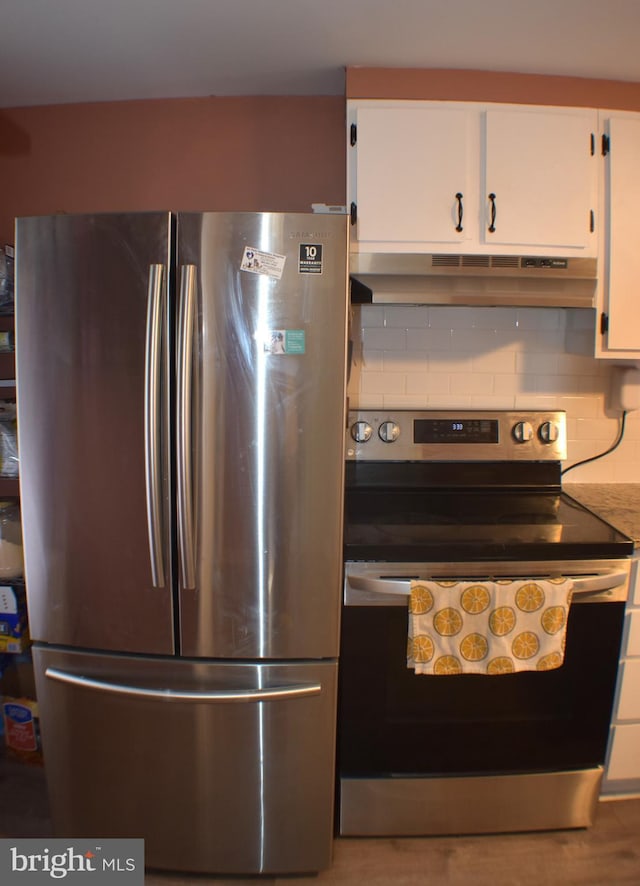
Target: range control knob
x=389, y=431
x=361, y=431
x=548, y=432
x=522, y=432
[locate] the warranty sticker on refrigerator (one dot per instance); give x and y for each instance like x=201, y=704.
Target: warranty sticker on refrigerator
x=310, y=258
x=269, y=263
x=285, y=341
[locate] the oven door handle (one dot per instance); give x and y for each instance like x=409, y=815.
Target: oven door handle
x=587, y=584
x=596, y=584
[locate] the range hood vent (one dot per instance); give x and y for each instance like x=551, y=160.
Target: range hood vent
x=450, y=279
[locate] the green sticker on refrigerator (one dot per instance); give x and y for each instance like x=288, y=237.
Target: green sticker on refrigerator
x=286, y=341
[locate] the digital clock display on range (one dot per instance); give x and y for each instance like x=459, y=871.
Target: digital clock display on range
x=440, y=430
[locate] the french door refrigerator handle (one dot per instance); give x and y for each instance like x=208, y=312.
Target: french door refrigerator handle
x=186, y=319
x=275, y=693
x=152, y=441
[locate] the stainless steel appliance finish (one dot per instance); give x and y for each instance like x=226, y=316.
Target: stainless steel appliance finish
x=383, y=584
x=230, y=762
x=474, y=805
x=448, y=496
x=411, y=278
x=181, y=388
x=487, y=436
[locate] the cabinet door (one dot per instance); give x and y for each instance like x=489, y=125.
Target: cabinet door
x=624, y=757
x=542, y=173
x=629, y=700
x=410, y=165
x=622, y=256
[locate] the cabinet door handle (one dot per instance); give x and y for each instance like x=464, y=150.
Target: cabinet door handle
x=460, y=211
x=492, y=225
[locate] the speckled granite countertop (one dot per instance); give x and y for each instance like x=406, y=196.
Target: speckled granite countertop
x=617, y=503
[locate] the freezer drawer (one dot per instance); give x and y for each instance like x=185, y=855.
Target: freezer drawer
x=185, y=755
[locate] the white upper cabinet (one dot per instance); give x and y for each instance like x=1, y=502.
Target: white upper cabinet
x=411, y=165
x=471, y=178
x=541, y=171
x=618, y=333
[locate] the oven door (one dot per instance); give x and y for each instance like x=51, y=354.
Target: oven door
x=423, y=754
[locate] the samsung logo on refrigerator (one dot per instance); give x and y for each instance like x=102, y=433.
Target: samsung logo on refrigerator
x=306, y=235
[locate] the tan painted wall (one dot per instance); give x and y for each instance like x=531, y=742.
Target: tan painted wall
x=248, y=152
x=490, y=86
x=244, y=153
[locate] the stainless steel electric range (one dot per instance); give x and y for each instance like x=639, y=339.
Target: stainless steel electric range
x=457, y=497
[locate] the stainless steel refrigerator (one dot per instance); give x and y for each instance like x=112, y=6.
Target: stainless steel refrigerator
x=181, y=398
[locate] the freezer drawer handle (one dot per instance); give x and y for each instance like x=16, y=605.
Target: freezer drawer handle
x=186, y=320
x=590, y=584
x=275, y=693
x=152, y=445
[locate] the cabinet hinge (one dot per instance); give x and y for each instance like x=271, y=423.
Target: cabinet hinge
x=606, y=145
x=604, y=323
x=354, y=134
x=592, y=221
x=593, y=144
x=354, y=213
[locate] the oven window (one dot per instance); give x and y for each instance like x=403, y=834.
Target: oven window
x=393, y=722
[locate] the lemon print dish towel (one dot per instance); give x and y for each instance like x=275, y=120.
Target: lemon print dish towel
x=487, y=627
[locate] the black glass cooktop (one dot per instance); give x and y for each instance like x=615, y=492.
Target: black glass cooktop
x=484, y=523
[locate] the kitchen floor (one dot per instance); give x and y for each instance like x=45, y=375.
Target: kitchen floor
x=609, y=852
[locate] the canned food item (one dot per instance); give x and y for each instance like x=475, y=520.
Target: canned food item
x=11, y=554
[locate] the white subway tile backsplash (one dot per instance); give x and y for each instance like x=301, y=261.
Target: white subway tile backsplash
x=367, y=316
x=542, y=342
x=472, y=384
x=452, y=317
x=492, y=402
x=429, y=339
x=580, y=319
x=442, y=357
x=494, y=361
x=406, y=316
x=406, y=401
x=383, y=339
x=373, y=361
x=596, y=430
x=451, y=401
x=428, y=383
x=405, y=361
x=383, y=383
x=540, y=319
x=474, y=341
x=501, y=319
x=530, y=363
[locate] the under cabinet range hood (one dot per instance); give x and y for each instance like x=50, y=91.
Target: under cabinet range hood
x=451, y=279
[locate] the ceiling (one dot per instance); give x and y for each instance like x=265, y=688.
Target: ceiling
x=58, y=51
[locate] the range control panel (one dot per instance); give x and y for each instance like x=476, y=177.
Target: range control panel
x=460, y=435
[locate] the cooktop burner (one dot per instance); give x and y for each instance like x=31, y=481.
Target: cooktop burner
x=475, y=499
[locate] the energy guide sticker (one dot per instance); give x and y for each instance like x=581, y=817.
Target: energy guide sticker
x=271, y=264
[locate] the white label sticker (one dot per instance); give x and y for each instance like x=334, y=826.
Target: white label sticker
x=256, y=262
